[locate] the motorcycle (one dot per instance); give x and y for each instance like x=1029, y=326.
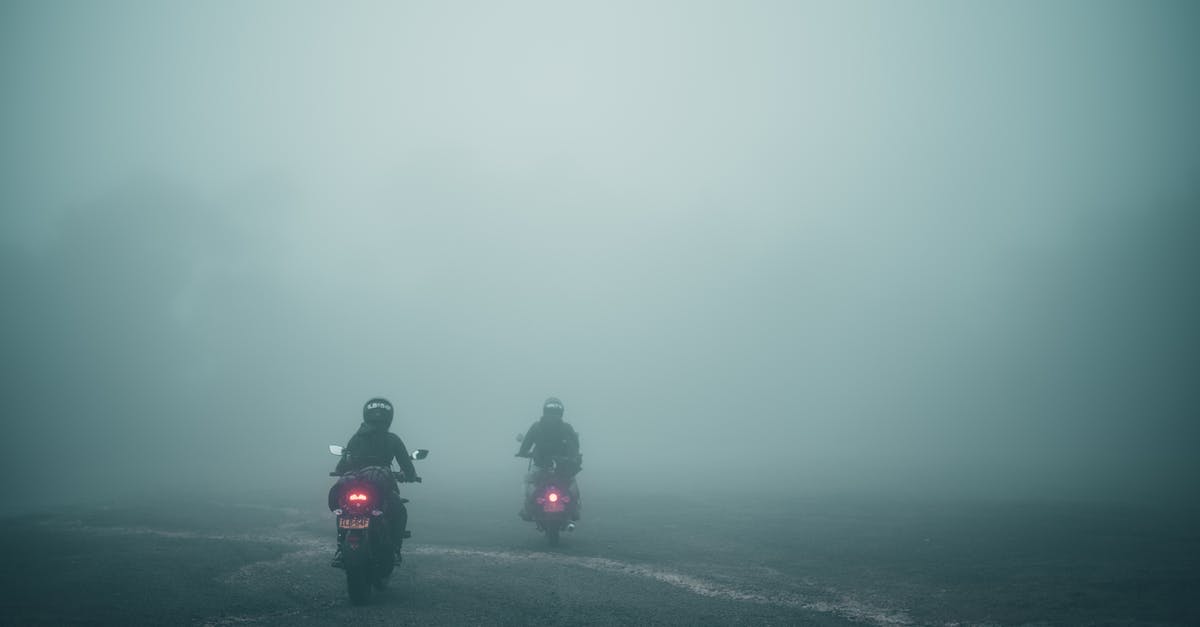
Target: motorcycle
x=552, y=498
x=364, y=534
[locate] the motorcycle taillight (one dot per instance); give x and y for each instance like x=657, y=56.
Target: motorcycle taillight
x=357, y=498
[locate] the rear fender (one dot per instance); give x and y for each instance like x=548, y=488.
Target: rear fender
x=547, y=520
x=541, y=514
x=356, y=546
x=378, y=538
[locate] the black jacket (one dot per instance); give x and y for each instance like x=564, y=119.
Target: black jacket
x=374, y=445
x=550, y=438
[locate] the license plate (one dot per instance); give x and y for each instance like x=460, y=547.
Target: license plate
x=554, y=507
x=354, y=522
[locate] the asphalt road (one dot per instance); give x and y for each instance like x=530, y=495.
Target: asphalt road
x=633, y=561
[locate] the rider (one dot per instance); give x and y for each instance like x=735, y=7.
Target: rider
x=374, y=445
x=546, y=439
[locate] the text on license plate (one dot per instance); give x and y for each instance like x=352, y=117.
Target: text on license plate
x=354, y=522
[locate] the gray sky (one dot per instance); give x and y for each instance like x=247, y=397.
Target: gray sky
x=934, y=247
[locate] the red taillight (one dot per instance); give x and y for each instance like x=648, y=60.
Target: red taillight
x=357, y=496
x=553, y=497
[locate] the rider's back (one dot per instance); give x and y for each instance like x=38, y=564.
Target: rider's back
x=374, y=445
x=554, y=438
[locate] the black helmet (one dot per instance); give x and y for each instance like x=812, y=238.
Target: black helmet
x=378, y=411
x=552, y=408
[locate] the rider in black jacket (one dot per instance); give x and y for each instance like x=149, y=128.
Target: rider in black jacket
x=374, y=445
x=551, y=437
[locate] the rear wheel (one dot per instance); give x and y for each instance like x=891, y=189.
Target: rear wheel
x=382, y=572
x=552, y=534
x=358, y=585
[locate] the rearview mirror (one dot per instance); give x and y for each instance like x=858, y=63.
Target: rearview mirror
x=335, y=450
x=420, y=453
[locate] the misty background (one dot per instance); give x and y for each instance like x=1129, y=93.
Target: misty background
x=936, y=248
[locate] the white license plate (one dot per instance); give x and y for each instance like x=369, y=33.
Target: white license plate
x=354, y=522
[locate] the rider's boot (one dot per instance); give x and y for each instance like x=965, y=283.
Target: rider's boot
x=337, y=554
x=397, y=542
x=398, y=536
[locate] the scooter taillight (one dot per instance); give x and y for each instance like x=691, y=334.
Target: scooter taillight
x=554, y=497
x=357, y=497
x=553, y=501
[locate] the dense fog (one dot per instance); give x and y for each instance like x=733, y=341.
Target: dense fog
x=923, y=249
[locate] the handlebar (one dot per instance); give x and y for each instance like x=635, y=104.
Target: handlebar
x=398, y=476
